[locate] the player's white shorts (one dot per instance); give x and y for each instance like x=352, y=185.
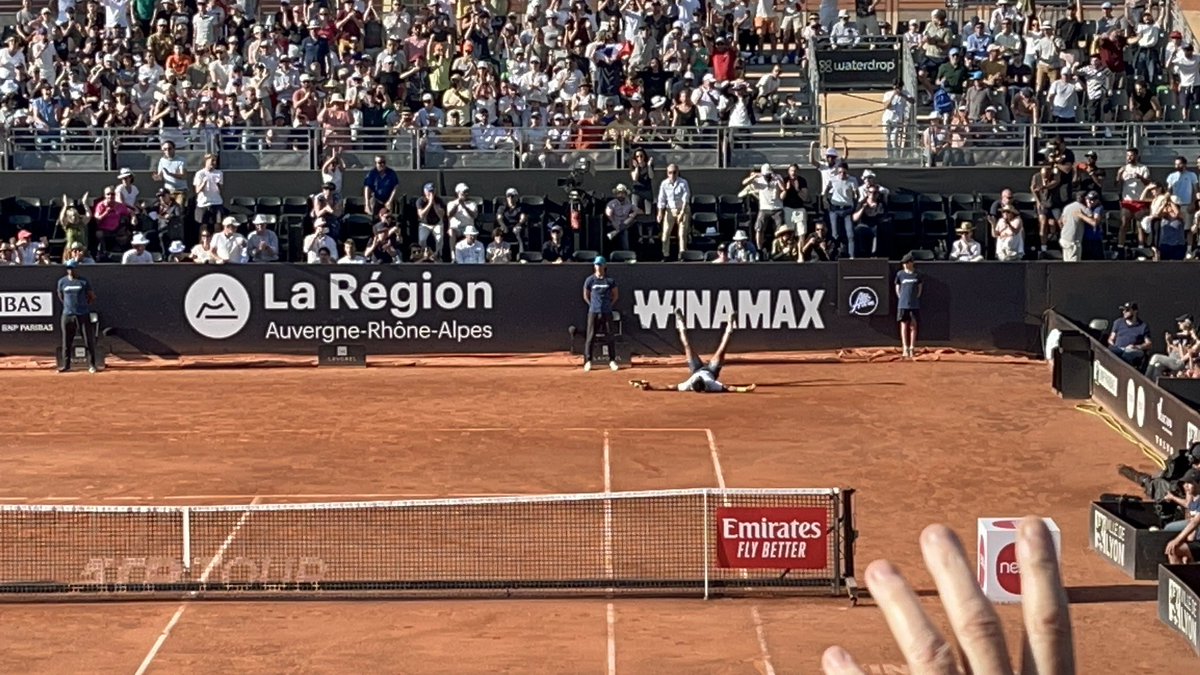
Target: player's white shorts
x=711, y=384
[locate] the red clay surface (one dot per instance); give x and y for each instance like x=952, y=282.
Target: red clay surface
x=921, y=442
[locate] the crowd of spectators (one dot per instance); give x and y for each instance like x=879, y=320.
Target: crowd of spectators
x=998, y=73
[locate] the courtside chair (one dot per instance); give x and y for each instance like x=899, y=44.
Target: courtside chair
x=692, y=255
x=923, y=255
x=585, y=256
x=935, y=226
x=272, y=206
x=241, y=204
x=295, y=206
x=1025, y=201
x=931, y=201
x=902, y=201
x=704, y=204
x=623, y=257
x=530, y=257
x=961, y=201
x=706, y=224
x=355, y=205
x=15, y=223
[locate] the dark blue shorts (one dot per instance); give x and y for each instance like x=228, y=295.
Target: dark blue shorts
x=713, y=367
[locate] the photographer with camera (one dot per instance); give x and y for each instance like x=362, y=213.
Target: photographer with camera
x=317, y=241
x=819, y=246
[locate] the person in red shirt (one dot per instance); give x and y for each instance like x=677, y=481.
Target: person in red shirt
x=1111, y=47
x=111, y=216
x=179, y=61
x=722, y=61
x=589, y=132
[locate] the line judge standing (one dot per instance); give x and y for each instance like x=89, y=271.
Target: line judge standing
x=600, y=293
x=76, y=296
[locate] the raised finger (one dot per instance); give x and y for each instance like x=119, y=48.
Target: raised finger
x=1048, y=649
x=976, y=624
x=838, y=661
x=924, y=648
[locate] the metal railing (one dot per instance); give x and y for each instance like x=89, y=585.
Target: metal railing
x=288, y=149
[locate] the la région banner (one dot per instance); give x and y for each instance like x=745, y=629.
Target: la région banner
x=773, y=537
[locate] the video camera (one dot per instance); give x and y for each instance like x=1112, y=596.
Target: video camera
x=1167, y=481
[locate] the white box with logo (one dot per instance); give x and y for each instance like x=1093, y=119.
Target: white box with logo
x=999, y=574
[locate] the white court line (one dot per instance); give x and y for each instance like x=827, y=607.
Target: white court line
x=610, y=612
x=258, y=431
x=760, y=630
x=212, y=565
x=612, y=639
x=355, y=496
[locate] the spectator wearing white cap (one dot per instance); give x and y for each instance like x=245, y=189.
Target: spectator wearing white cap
x=1047, y=62
x=1005, y=10
x=462, y=211
x=317, y=241
x=138, y=255
x=127, y=192
x=177, y=253
x=470, y=251
x=708, y=101
x=621, y=214
x=829, y=161
x=844, y=33
x=262, y=245
x=742, y=249
x=769, y=188
x=228, y=246
x=171, y=171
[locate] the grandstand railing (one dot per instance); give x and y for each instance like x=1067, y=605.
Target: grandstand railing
x=288, y=149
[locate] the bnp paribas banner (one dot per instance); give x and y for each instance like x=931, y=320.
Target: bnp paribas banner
x=292, y=309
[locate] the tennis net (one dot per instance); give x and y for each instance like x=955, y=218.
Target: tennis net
x=673, y=542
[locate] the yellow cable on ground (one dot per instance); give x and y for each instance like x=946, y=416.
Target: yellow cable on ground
x=1112, y=422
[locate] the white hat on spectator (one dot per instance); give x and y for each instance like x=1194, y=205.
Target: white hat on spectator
x=470, y=231
x=261, y=218
x=337, y=98
x=124, y=173
x=177, y=247
x=658, y=102
x=636, y=98
x=830, y=152
x=160, y=22
x=868, y=174
x=740, y=235
x=511, y=192
x=426, y=96
x=139, y=239
x=708, y=77
x=689, y=75
x=1106, y=5
x=677, y=24
x=766, y=168
x=306, y=78
x=990, y=108
x=461, y=188
x=843, y=14
x=229, y=221
x=1001, y=2
x=621, y=188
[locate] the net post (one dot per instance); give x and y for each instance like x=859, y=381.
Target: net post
x=835, y=507
x=707, y=545
x=187, y=539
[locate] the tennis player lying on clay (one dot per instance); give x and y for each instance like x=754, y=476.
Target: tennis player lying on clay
x=702, y=378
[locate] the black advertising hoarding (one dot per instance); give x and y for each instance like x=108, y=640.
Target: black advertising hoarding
x=1179, y=600
x=1154, y=415
x=291, y=309
x=858, y=68
x=864, y=287
x=1121, y=535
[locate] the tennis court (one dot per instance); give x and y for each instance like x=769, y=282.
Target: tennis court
x=921, y=442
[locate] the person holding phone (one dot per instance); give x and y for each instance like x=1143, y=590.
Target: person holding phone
x=318, y=240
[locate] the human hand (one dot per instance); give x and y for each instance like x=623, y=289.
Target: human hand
x=1047, y=644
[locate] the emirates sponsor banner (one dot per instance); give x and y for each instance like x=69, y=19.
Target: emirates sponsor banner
x=773, y=537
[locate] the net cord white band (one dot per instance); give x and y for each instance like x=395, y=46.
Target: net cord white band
x=425, y=503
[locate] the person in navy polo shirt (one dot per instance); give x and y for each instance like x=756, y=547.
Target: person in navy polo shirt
x=600, y=293
x=1130, y=336
x=76, y=296
x=908, y=306
x=379, y=187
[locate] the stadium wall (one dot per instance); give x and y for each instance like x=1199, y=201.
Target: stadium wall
x=290, y=309
x=48, y=185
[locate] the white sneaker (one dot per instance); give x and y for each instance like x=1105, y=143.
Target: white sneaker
x=612, y=235
x=612, y=365
x=587, y=366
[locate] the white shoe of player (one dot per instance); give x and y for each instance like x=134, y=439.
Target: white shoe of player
x=612, y=365
x=587, y=366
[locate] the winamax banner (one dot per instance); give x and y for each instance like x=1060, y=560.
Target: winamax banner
x=186, y=309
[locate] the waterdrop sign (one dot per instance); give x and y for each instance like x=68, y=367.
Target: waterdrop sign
x=860, y=69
